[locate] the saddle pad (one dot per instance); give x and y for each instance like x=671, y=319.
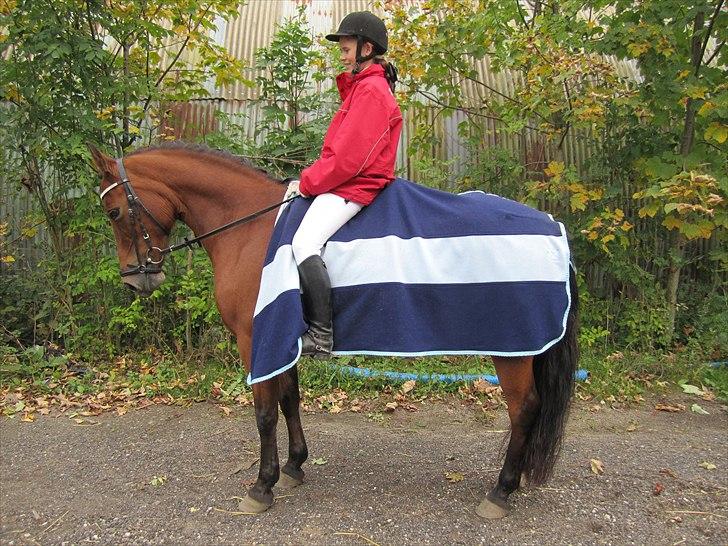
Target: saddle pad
x=422, y=272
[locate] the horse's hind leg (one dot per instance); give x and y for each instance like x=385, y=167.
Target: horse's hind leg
x=291, y=473
x=516, y=379
x=260, y=495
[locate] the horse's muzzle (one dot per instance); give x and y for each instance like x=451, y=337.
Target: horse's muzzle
x=144, y=283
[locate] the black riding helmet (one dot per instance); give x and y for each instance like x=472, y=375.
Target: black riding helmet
x=366, y=25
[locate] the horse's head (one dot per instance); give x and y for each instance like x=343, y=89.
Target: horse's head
x=141, y=218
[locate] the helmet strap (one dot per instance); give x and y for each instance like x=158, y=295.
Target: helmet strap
x=359, y=58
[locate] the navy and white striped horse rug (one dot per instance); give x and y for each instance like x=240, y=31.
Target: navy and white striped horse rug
x=422, y=272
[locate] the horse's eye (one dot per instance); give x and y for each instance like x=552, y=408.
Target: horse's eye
x=114, y=214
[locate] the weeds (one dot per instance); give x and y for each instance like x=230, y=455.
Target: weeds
x=37, y=379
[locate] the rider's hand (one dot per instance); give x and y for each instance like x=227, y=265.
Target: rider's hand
x=293, y=190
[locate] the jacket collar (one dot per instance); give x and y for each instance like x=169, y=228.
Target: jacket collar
x=345, y=81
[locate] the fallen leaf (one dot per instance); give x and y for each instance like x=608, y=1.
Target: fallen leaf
x=482, y=386
x=658, y=489
x=320, y=461
x=632, y=426
x=615, y=356
x=670, y=408
x=668, y=472
x=391, y=406
x=121, y=410
x=158, y=480
x=407, y=386
x=692, y=389
x=454, y=477
x=28, y=417
x=226, y=410
x=597, y=466
x=335, y=409
x=708, y=466
x=698, y=409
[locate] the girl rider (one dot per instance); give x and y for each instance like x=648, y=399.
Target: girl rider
x=357, y=162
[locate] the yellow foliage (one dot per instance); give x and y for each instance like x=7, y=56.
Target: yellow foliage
x=705, y=108
x=717, y=131
x=697, y=91
x=7, y=6
x=554, y=169
x=638, y=49
x=672, y=222
x=683, y=74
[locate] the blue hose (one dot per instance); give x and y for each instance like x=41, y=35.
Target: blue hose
x=580, y=375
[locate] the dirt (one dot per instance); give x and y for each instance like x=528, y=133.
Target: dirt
x=170, y=475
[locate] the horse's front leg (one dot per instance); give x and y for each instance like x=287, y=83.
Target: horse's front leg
x=291, y=473
x=260, y=495
x=517, y=381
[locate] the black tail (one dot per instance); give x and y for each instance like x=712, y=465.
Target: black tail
x=554, y=374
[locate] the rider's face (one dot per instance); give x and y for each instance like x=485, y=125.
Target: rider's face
x=347, y=46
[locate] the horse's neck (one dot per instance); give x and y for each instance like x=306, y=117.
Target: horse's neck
x=210, y=192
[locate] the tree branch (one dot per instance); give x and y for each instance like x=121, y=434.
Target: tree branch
x=708, y=33
x=715, y=53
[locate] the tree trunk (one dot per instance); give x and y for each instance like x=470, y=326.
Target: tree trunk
x=677, y=252
x=696, y=56
x=686, y=145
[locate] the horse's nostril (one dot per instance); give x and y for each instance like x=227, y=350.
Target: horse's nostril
x=130, y=287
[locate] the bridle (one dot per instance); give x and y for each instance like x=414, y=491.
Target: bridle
x=151, y=262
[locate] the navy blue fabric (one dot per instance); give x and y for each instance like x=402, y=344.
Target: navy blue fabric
x=276, y=330
x=399, y=318
x=438, y=214
x=480, y=318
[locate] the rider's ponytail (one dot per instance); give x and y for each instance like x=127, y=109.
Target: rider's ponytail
x=390, y=72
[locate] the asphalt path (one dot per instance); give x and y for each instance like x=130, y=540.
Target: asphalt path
x=172, y=475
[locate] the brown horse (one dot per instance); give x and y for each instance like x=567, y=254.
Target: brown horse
x=205, y=189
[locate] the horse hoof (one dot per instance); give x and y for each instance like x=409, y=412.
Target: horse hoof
x=251, y=506
x=488, y=509
x=286, y=481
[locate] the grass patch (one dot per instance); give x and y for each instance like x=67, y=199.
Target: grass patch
x=320, y=377
x=627, y=376
x=41, y=377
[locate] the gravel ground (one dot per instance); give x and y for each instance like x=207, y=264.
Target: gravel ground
x=170, y=475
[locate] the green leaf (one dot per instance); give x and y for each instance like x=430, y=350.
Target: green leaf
x=697, y=409
x=692, y=389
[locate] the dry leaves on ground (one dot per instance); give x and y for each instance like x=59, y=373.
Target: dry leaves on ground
x=597, y=466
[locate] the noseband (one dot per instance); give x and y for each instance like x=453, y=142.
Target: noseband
x=152, y=262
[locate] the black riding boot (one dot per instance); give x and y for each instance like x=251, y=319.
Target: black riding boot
x=319, y=338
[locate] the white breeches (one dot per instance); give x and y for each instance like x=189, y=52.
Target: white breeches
x=324, y=217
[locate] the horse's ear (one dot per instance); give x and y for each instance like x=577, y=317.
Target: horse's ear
x=101, y=161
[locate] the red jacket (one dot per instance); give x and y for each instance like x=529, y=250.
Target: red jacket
x=360, y=146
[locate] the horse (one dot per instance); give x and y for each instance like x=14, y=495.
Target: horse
x=152, y=188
